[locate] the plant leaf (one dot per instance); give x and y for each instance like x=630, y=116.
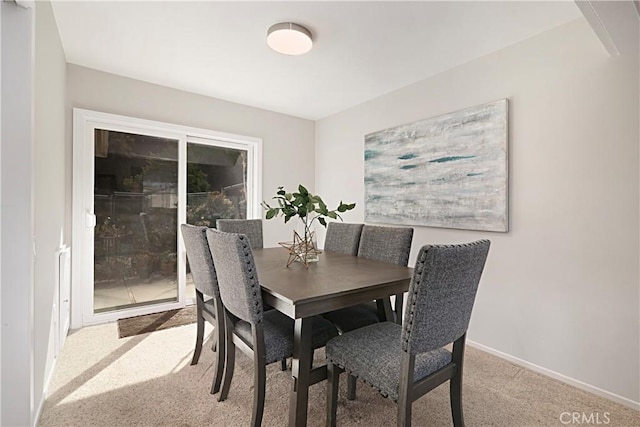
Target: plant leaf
x=322, y=221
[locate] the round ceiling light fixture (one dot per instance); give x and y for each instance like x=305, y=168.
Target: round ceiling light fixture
x=289, y=38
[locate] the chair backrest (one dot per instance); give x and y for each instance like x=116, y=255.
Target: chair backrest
x=200, y=261
x=252, y=228
x=441, y=294
x=343, y=237
x=386, y=244
x=237, y=275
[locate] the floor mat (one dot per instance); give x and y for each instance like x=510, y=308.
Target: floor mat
x=156, y=321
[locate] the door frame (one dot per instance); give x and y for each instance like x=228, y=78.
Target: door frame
x=84, y=121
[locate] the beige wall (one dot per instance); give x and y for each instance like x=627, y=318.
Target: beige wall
x=49, y=187
x=560, y=290
x=288, y=142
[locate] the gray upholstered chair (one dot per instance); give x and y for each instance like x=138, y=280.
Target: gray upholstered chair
x=265, y=336
x=252, y=228
x=208, y=303
x=405, y=362
x=385, y=244
x=343, y=238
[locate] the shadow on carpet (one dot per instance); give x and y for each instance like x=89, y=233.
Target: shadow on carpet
x=155, y=322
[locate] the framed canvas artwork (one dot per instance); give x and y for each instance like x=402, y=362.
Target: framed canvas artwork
x=448, y=171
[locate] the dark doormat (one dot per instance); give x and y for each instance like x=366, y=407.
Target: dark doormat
x=156, y=321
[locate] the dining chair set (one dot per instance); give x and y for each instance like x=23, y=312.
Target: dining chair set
x=401, y=359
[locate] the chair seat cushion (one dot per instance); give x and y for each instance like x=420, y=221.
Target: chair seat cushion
x=278, y=334
x=374, y=354
x=350, y=318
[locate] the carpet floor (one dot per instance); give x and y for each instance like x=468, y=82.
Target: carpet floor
x=146, y=380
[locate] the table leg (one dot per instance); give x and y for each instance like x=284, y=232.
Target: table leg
x=300, y=370
x=399, y=308
x=385, y=312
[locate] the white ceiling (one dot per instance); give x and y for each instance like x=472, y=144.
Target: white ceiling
x=361, y=49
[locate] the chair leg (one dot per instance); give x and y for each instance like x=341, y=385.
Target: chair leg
x=259, y=380
x=404, y=413
x=220, y=356
x=200, y=332
x=455, y=395
x=230, y=359
x=283, y=365
x=405, y=386
x=351, y=387
x=333, y=380
x=455, y=384
x=228, y=371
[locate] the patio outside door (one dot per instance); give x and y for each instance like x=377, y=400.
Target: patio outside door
x=135, y=202
x=133, y=187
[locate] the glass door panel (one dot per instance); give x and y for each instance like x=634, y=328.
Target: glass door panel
x=136, y=208
x=216, y=187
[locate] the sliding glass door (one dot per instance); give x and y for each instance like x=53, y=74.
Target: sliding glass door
x=134, y=184
x=216, y=186
x=136, y=209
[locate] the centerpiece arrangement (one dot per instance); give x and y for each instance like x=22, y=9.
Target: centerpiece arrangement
x=308, y=208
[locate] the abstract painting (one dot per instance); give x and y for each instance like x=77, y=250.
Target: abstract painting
x=448, y=171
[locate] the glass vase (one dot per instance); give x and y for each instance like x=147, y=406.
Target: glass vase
x=307, y=247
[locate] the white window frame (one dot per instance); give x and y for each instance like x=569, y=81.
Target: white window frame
x=84, y=123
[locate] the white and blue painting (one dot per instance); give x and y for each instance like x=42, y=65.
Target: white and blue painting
x=448, y=171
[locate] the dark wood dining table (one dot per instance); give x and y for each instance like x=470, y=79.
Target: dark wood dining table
x=334, y=282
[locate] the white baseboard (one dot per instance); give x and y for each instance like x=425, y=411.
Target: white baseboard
x=558, y=376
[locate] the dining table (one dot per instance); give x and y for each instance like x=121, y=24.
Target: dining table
x=335, y=281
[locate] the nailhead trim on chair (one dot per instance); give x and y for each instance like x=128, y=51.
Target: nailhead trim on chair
x=247, y=256
x=382, y=393
x=418, y=272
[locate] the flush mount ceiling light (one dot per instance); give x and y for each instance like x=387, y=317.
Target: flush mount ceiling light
x=289, y=38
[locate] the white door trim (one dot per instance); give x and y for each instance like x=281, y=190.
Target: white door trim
x=84, y=121
x=17, y=368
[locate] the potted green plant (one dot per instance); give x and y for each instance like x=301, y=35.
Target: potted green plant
x=308, y=208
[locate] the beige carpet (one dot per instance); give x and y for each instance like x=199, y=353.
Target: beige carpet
x=157, y=321
x=146, y=380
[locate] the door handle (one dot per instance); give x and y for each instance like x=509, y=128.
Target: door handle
x=90, y=219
